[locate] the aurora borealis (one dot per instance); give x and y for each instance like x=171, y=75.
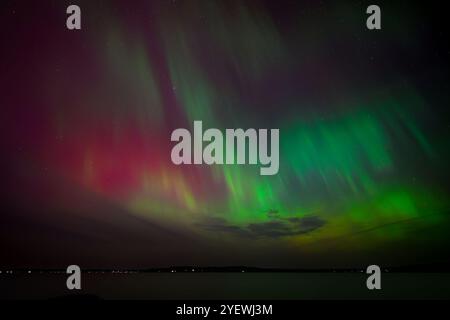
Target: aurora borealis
x=87, y=117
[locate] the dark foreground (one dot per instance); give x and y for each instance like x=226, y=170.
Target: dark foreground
x=228, y=286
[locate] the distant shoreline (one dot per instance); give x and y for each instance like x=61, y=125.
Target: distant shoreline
x=439, y=268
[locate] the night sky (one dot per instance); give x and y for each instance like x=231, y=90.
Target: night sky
x=86, y=119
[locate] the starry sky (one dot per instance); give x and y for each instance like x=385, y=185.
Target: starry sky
x=87, y=117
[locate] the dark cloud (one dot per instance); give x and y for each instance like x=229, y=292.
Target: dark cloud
x=273, y=214
x=308, y=223
x=272, y=229
x=221, y=225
